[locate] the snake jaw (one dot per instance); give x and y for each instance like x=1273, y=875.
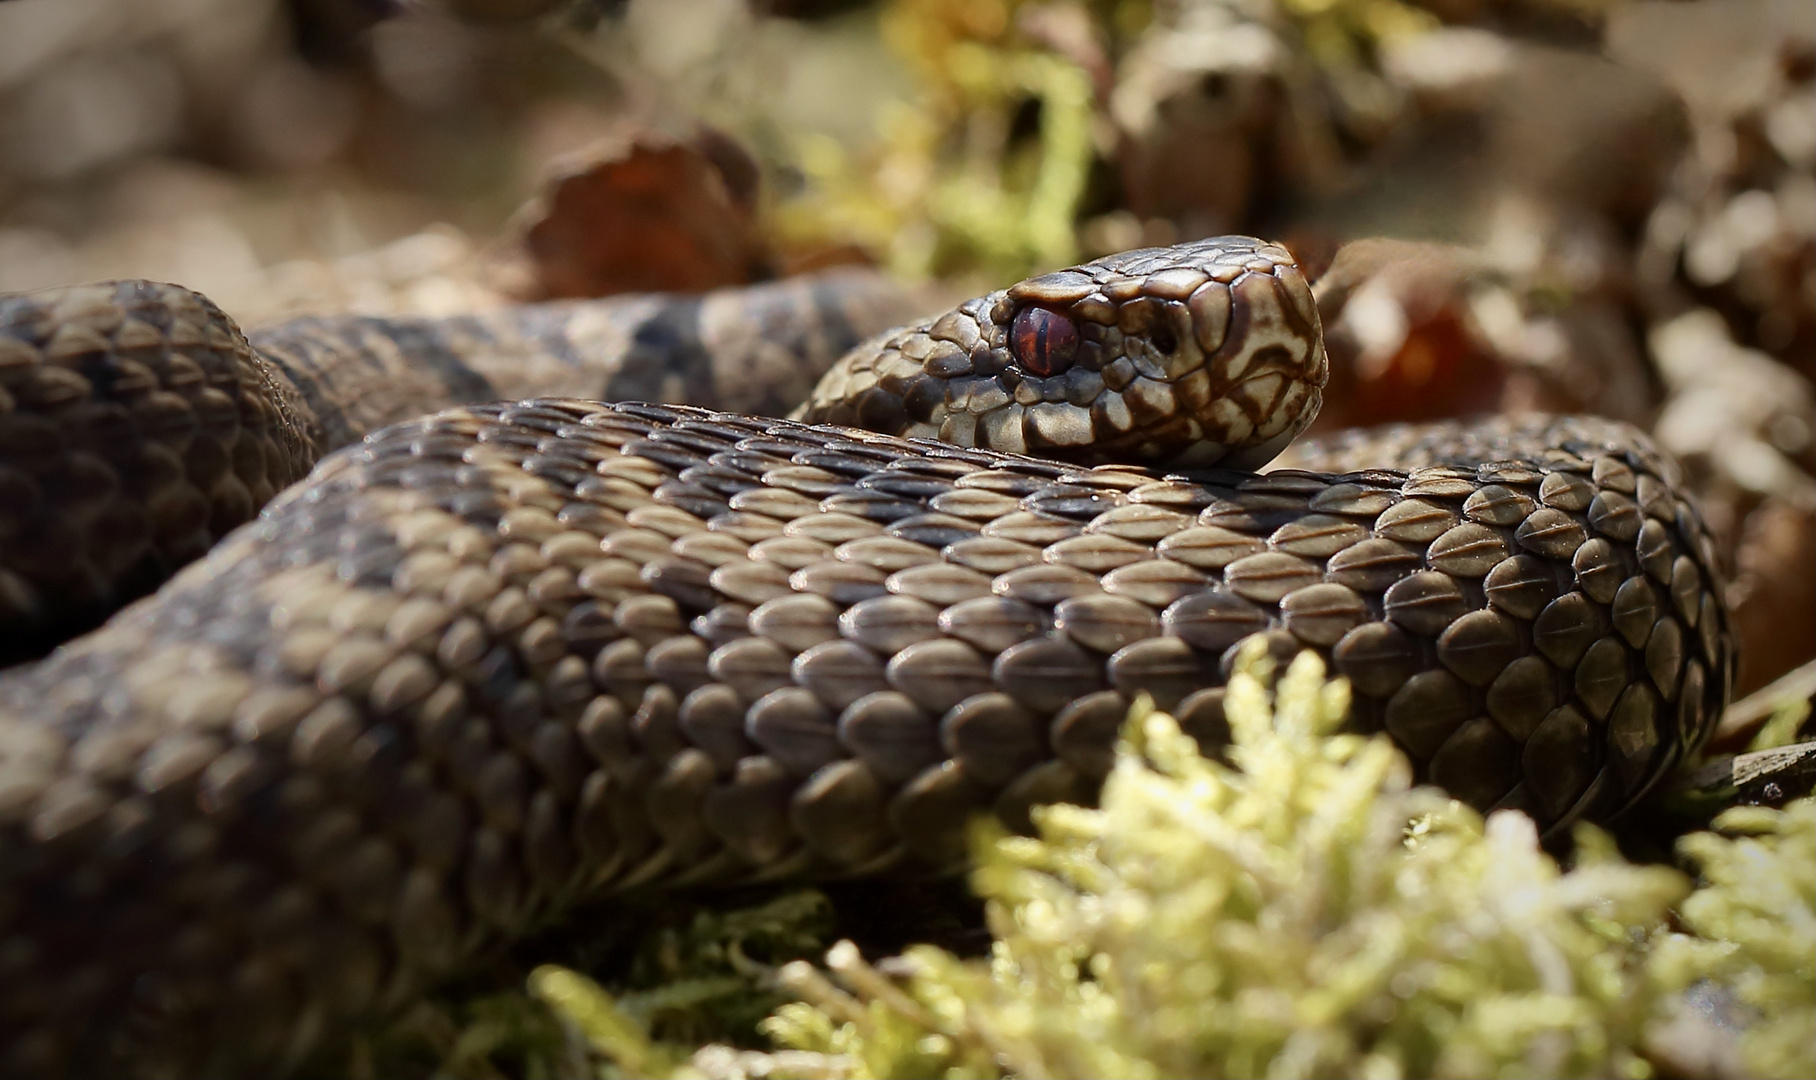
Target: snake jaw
x=1197, y=355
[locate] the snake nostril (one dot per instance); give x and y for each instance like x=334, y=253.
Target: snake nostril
x=1043, y=341
x=1163, y=340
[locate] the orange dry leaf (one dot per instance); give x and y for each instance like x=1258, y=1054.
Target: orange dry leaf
x=644, y=213
x=1396, y=326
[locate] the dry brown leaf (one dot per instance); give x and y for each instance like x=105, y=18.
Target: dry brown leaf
x=1774, y=593
x=1424, y=331
x=643, y=213
x=1396, y=326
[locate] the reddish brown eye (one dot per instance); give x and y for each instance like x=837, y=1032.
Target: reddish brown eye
x=1043, y=341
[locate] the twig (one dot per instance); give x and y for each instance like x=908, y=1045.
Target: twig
x=1763, y=778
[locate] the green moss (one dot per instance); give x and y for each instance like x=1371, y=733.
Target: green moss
x=1752, y=929
x=1302, y=910
x=1298, y=908
x=953, y=187
x=681, y=971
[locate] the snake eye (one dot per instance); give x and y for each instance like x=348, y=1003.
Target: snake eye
x=1043, y=341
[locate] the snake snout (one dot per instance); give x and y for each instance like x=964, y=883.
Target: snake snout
x=1200, y=354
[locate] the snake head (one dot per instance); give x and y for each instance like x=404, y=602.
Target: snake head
x=1200, y=354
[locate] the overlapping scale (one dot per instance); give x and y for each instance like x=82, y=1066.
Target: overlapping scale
x=454, y=687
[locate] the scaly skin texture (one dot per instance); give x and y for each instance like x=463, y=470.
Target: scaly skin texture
x=138, y=426
x=1200, y=354
x=490, y=664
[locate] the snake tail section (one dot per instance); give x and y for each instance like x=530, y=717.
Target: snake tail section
x=494, y=663
x=138, y=425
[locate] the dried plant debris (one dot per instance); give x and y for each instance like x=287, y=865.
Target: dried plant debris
x=1403, y=341
x=1299, y=908
x=643, y=212
x=1744, y=425
x=1737, y=227
x=1735, y=416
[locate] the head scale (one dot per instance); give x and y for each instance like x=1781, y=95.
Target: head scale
x=1200, y=354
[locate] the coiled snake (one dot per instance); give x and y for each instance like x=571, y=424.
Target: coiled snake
x=485, y=665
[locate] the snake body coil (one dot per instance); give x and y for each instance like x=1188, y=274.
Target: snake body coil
x=138, y=425
x=485, y=665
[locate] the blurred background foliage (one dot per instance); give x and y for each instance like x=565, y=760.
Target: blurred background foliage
x=980, y=138
x=1593, y=205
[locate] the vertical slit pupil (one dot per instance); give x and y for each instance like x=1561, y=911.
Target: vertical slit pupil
x=1043, y=341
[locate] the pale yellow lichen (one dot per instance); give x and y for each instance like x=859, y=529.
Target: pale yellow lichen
x=1752, y=930
x=1303, y=910
x=1297, y=908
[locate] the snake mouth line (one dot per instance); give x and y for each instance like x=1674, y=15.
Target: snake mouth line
x=1197, y=355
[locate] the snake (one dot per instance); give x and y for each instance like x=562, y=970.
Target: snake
x=466, y=672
